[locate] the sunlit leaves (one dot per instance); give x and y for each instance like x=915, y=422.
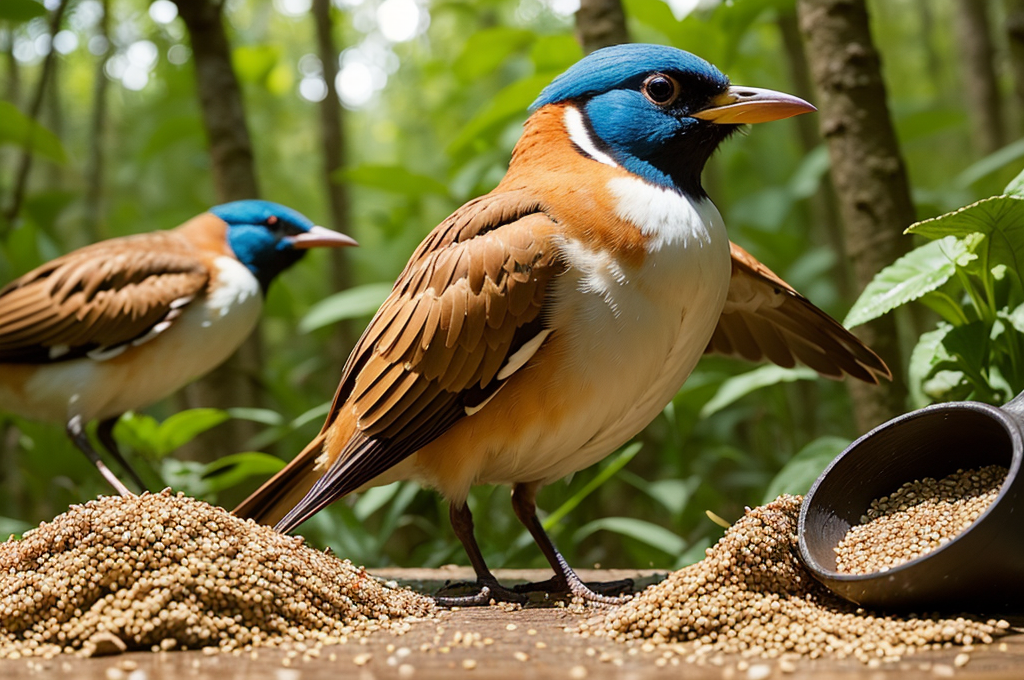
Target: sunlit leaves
x=18, y=11
x=155, y=440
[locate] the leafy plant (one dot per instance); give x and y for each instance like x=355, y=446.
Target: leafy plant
x=969, y=273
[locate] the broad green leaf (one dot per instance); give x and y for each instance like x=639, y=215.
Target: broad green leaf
x=918, y=272
x=19, y=11
x=394, y=178
x=373, y=499
x=739, y=386
x=509, y=103
x=139, y=431
x=184, y=426
x=799, y=473
x=928, y=353
x=12, y=527
x=264, y=416
x=1000, y=218
x=231, y=470
x=1016, y=186
x=348, y=304
x=18, y=129
x=807, y=178
x=487, y=49
x=646, y=532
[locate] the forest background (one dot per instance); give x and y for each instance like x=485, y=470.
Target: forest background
x=379, y=117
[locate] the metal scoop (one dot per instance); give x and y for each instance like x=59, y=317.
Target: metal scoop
x=981, y=569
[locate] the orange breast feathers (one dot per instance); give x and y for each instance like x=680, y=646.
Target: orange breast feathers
x=543, y=162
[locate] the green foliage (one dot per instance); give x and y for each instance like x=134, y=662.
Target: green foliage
x=19, y=11
x=156, y=440
x=348, y=304
x=800, y=472
x=18, y=129
x=969, y=275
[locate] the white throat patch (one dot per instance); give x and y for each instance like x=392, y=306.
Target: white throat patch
x=665, y=216
x=580, y=136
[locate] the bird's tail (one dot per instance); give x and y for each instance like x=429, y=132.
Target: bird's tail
x=279, y=494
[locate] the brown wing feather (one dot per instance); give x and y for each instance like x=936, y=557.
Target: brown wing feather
x=98, y=298
x=469, y=297
x=764, y=317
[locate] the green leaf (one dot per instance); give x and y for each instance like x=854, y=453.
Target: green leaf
x=348, y=304
x=170, y=131
x=231, y=470
x=1016, y=186
x=20, y=11
x=646, y=532
x=1000, y=218
x=927, y=354
x=805, y=181
x=487, y=49
x=993, y=162
x=184, y=426
x=737, y=387
x=799, y=473
x=12, y=527
x=918, y=272
x=373, y=499
x=511, y=102
x=394, y=178
x=555, y=52
x=18, y=129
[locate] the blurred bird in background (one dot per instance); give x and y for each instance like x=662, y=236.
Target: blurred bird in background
x=543, y=325
x=123, y=323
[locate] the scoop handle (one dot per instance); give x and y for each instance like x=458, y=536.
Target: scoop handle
x=1015, y=409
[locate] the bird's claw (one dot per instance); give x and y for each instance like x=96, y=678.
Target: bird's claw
x=488, y=592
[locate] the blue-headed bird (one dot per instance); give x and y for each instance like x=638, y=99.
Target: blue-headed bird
x=543, y=325
x=117, y=325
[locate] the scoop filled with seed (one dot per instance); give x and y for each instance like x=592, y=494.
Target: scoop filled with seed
x=165, y=571
x=923, y=513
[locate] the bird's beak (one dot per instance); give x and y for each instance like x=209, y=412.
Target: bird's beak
x=739, y=105
x=321, y=237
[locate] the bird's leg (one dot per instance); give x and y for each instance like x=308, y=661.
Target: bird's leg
x=565, y=580
x=490, y=589
x=105, y=433
x=76, y=431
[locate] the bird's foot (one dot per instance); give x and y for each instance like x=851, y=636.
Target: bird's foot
x=596, y=592
x=488, y=590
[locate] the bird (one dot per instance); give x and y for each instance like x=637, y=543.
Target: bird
x=543, y=325
x=122, y=323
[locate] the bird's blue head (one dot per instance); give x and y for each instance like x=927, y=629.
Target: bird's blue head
x=268, y=237
x=657, y=111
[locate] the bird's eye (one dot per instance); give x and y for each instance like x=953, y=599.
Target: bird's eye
x=660, y=89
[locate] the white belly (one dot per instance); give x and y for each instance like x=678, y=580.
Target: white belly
x=631, y=338
x=208, y=332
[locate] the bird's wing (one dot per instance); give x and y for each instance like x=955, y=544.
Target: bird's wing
x=765, y=318
x=463, y=316
x=99, y=300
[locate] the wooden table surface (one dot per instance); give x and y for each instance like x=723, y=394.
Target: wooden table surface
x=529, y=643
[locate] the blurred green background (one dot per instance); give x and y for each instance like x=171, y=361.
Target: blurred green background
x=435, y=94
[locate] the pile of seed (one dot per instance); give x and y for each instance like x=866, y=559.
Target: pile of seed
x=918, y=518
x=164, y=571
x=752, y=596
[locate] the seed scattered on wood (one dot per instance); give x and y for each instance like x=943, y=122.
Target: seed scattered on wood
x=164, y=571
x=917, y=518
x=751, y=596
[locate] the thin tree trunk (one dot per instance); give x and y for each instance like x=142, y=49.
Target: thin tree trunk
x=332, y=127
x=867, y=170
x=35, y=108
x=932, y=56
x=236, y=382
x=824, y=204
x=13, y=93
x=600, y=23
x=981, y=88
x=97, y=135
x=1015, y=35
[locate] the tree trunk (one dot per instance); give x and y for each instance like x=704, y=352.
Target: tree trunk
x=236, y=382
x=1015, y=35
x=867, y=170
x=35, y=108
x=332, y=128
x=97, y=136
x=600, y=23
x=980, y=86
x=824, y=205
